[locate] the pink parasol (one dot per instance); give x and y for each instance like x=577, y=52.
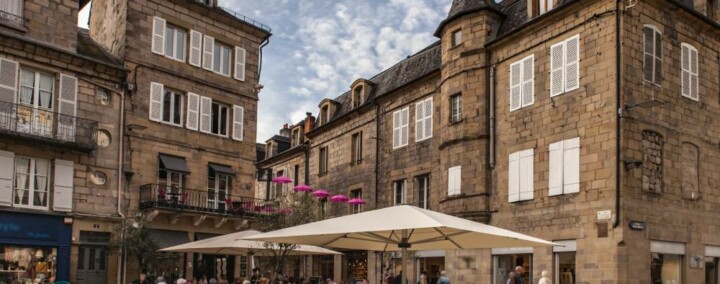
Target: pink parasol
x=320, y=193
x=282, y=179
x=356, y=201
x=339, y=198
x=302, y=188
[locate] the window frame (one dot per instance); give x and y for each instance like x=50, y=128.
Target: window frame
x=218, y=47
x=403, y=188
x=170, y=28
x=174, y=97
x=656, y=33
x=36, y=89
x=456, y=108
x=32, y=188
x=358, y=208
x=295, y=137
x=324, y=113
x=323, y=161
x=422, y=189
x=357, y=96
x=356, y=153
x=692, y=73
x=218, y=179
x=20, y=14
x=456, y=38
x=213, y=120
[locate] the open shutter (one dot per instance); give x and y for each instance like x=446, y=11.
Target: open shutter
x=156, y=96
x=694, y=83
x=527, y=174
x=8, y=90
x=193, y=111
x=405, y=133
x=555, y=177
x=196, y=39
x=158, y=35
x=428, y=118
x=208, y=52
x=63, y=186
x=239, y=63
x=67, y=108
x=419, y=121
x=515, y=90
x=571, y=165
x=396, y=129
x=528, y=79
x=572, y=63
x=7, y=166
x=238, y=113
x=205, y=114
x=557, y=62
x=514, y=177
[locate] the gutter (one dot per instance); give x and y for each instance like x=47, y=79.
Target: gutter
x=264, y=43
x=618, y=119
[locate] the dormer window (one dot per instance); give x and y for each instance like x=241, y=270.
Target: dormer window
x=456, y=38
x=324, y=112
x=270, y=150
x=295, y=137
x=357, y=96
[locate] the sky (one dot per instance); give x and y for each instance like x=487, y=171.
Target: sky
x=319, y=47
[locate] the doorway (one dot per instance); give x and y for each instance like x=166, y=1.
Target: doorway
x=92, y=265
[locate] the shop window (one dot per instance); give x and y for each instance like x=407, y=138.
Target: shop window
x=400, y=191
x=690, y=162
x=565, y=267
x=27, y=264
x=422, y=184
x=504, y=265
x=32, y=182
x=712, y=270
x=666, y=268
x=652, y=171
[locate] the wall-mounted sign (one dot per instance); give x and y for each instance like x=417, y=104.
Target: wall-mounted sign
x=604, y=215
x=637, y=225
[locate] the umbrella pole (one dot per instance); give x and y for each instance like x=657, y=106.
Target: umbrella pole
x=403, y=272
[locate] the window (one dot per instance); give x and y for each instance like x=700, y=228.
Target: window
x=456, y=38
x=564, y=177
x=400, y=192
x=172, y=111
x=357, y=98
x=400, y=127
x=36, y=89
x=218, y=186
x=520, y=175
x=324, y=113
x=357, y=193
x=356, y=151
x=666, y=265
x=455, y=108
x=269, y=149
x=689, y=66
x=422, y=186
x=712, y=269
x=565, y=266
x=454, y=181
x=565, y=66
x=690, y=164
x=32, y=182
x=296, y=175
x=545, y=5
x=11, y=11
x=219, y=119
x=522, y=83
x=295, y=137
x=323, y=164
x=423, y=119
x=171, y=179
x=652, y=55
x=175, y=42
x=221, y=59
x=16, y=257
x=505, y=261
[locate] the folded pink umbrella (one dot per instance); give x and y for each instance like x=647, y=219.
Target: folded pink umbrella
x=282, y=179
x=356, y=201
x=339, y=198
x=302, y=188
x=320, y=193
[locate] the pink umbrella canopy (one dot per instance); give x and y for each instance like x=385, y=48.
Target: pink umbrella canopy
x=282, y=179
x=302, y=188
x=356, y=201
x=339, y=198
x=320, y=193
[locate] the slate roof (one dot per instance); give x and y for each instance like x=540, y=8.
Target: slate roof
x=88, y=47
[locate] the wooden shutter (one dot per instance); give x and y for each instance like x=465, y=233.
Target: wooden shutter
x=238, y=115
x=528, y=79
x=208, y=52
x=158, y=35
x=8, y=80
x=428, y=118
x=514, y=177
x=694, y=83
x=396, y=129
x=7, y=168
x=405, y=121
x=454, y=180
x=239, y=63
x=193, y=111
x=515, y=86
x=419, y=121
x=195, y=55
x=527, y=174
x=571, y=165
x=572, y=63
x=63, y=186
x=156, y=101
x=555, y=176
x=205, y=114
x=557, y=62
x=67, y=107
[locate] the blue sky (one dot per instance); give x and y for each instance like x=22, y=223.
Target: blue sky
x=320, y=47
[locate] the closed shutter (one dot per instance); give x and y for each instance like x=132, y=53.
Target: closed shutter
x=557, y=62
x=193, y=111
x=571, y=165
x=158, y=35
x=420, y=121
x=239, y=63
x=205, y=114
x=8, y=81
x=527, y=174
x=572, y=63
x=196, y=39
x=396, y=129
x=694, y=83
x=405, y=121
x=514, y=177
x=7, y=168
x=515, y=86
x=67, y=108
x=454, y=180
x=428, y=118
x=555, y=177
x=238, y=113
x=208, y=52
x=63, y=186
x=156, y=98
x=528, y=79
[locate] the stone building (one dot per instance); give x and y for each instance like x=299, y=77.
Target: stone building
x=581, y=122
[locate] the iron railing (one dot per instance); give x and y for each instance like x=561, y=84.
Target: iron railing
x=11, y=18
x=247, y=19
x=26, y=121
x=156, y=196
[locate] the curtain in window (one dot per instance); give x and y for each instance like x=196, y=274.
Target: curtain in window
x=22, y=178
x=41, y=182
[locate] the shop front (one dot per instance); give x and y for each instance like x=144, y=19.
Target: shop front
x=505, y=260
x=34, y=248
x=431, y=263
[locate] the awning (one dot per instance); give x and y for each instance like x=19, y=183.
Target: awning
x=167, y=238
x=222, y=169
x=174, y=164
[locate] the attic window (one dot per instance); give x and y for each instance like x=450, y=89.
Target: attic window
x=295, y=140
x=357, y=97
x=324, y=113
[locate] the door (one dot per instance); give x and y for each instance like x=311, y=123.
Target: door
x=92, y=265
x=218, y=186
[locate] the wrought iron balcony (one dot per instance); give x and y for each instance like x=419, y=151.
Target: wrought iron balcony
x=37, y=124
x=11, y=18
x=156, y=196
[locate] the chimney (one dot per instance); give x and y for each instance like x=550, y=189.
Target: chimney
x=309, y=122
x=285, y=131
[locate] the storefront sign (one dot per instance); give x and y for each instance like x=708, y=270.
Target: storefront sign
x=28, y=227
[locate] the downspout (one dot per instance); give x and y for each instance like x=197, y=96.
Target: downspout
x=618, y=104
x=307, y=162
x=121, y=159
x=491, y=110
x=377, y=152
x=265, y=42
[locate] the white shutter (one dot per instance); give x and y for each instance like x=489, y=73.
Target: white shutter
x=156, y=98
x=555, y=176
x=158, y=35
x=193, y=111
x=238, y=113
x=428, y=118
x=514, y=177
x=454, y=180
x=196, y=39
x=419, y=121
x=694, y=83
x=239, y=63
x=63, y=186
x=7, y=168
x=572, y=63
x=205, y=114
x=396, y=129
x=557, y=62
x=515, y=86
x=527, y=174
x=528, y=80
x=208, y=52
x=67, y=108
x=405, y=121
x=8, y=80
x=571, y=165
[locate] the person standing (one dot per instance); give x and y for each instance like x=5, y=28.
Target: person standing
x=423, y=277
x=443, y=278
x=545, y=279
x=519, y=275
x=511, y=278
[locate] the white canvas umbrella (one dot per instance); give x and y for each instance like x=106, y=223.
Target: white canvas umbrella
x=234, y=244
x=400, y=228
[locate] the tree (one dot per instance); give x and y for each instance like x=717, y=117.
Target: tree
x=137, y=241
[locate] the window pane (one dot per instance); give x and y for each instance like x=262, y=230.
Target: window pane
x=215, y=118
x=180, y=40
x=666, y=268
x=223, y=120
x=216, y=59
x=167, y=104
x=169, y=41
x=226, y=61
x=27, y=82
x=177, y=109
x=102, y=259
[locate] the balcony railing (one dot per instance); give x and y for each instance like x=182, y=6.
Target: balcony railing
x=51, y=127
x=11, y=18
x=156, y=196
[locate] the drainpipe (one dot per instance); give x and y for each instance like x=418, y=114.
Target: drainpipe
x=121, y=159
x=491, y=109
x=307, y=162
x=268, y=171
x=618, y=104
x=265, y=42
x=377, y=151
